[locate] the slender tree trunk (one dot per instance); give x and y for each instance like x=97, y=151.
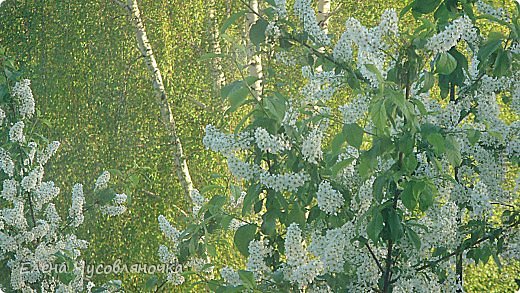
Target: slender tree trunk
x=323, y=21
x=255, y=60
x=160, y=94
x=214, y=37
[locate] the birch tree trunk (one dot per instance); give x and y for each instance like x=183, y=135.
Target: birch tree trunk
x=255, y=60
x=217, y=73
x=160, y=94
x=323, y=21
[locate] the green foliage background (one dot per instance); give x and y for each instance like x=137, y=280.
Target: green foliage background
x=94, y=91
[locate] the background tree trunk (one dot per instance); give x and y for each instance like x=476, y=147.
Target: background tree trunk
x=160, y=94
x=323, y=21
x=217, y=73
x=255, y=61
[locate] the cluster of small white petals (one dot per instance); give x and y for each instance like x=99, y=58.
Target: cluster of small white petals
x=280, y=6
x=48, y=152
x=355, y=110
x=102, y=181
x=285, y=58
x=230, y=276
x=23, y=93
x=331, y=248
x=15, y=217
x=303, y=9
x=2, y=116
x=485, y=8
x=442, y=226
x=479, y=200
x=284, y=182
x=241, y=169
x=200, y=265
x=198, y=201
x=364, y=198
x=116, y=207
x=6, y=163
x=224, y=143
x=272, y=31
x=30, y=181
x=76, y=208
x=52, y=215
x=291, y=115
x=267, y=142
x=329, y=199
x=44, y=193
x=460, y=28
x=16, y=132
x=175, y=278
x=258, y=251
x=321, y=85
x=311, y=146
x=299, y=268
x=294, y=250
x=165, y=256
x=9, y=189
x=234, y=224
x=169, y=231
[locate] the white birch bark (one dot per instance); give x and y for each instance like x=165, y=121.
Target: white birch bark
x=145, y=48
x=255, y=60
x=217, y=73
x=323, y=21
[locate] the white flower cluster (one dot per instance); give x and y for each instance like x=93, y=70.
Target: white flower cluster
x=6, y=163
x=329, y=199
x=259, y=250
x=241, y=169
x=331, y=248
x=224, y=143
x=370, y=42
x=280, y=6
x=198, y=201
x=116, y=206
x=299, y=268
x=230, y=276
x=303, y=9
x=76, y=208
x=311, y=146
x=355, y=110
x=270, y=143
x=284, y=182
x=48, y=152
x=485, y=8
x=460, y=28
x=24, y=96
x=321, y=85
x=102, y=181
x=16, y=132
x=168, y=230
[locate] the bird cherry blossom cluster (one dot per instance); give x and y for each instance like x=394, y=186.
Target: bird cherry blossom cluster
x=36, y=232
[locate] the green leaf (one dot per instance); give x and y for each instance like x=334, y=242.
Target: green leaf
x=503, y=63
x=413, y=237
x=378, y=114
x=394, y=223
x=257, y=32
x=437, y=141
x=237, y=98
x=425, y=199
x=473, y=136
x=243, y=236
x=232, y=19
x=336, y=168
x=453, y=151
x=106, y=195
x=353, y=134
x=408, y=197
x=445, y=63
x=247, y=278
x=151, y=282
x=425, y=6
x=489, y=48
x=296, y=215
x=375, y=226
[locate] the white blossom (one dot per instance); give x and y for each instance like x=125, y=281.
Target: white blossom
x=24, y=96
x=102, y=181
x=76, y=208
x=329, y=200
x=16, y=132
